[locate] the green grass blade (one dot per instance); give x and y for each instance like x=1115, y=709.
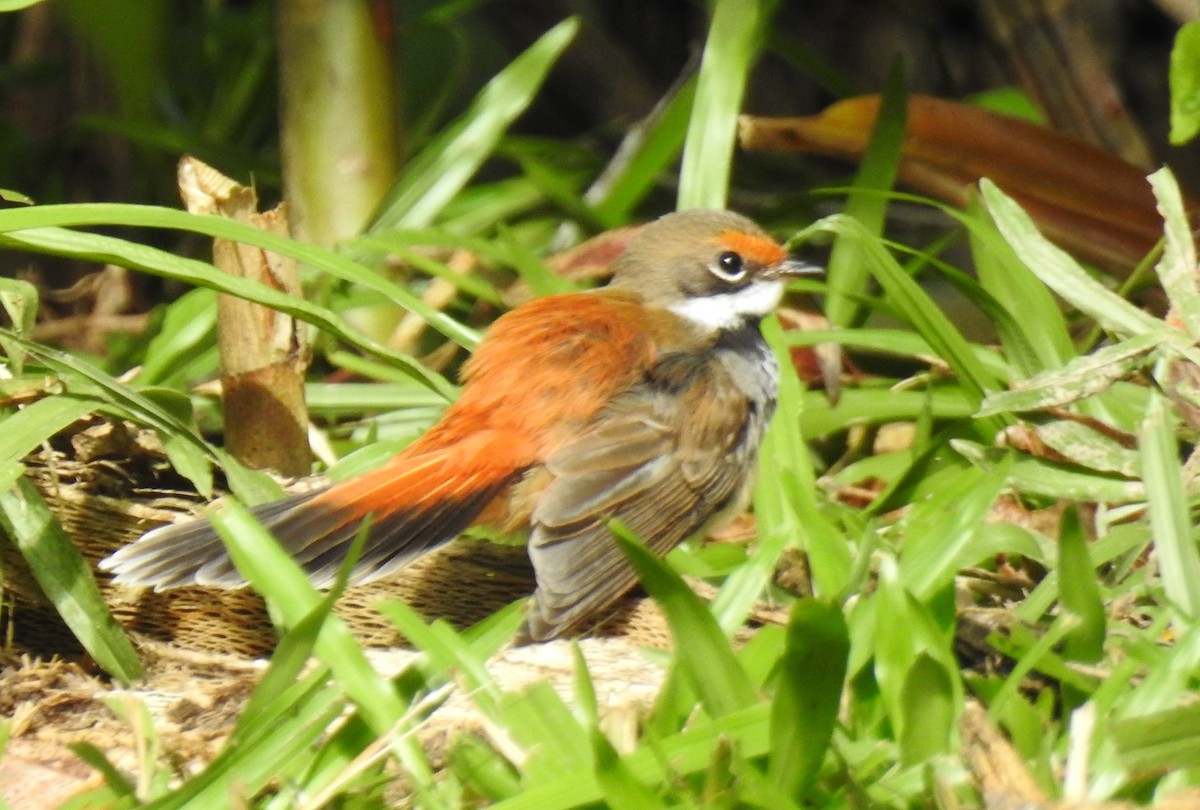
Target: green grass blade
x=1178, y=558
x=622, y=790
x=689, y=752
x=19, y=299
x=445, y=166
x=1050, y=479
x=941, y=529
x=1176, y=269
x=1159, y=742
x=65, y=578
x=1034, y=336
x=1184, y=80
x=867, y=203
x=1081, y=377
x=913, y=304
x=24, y=430
x=1060, y=272
x=928, y=709
x=703, y=652
x=78, y=373
x=735, y=38
x=47, y=228
x=277, y=577
x=1079, y=591
x=785, y=503
x=646, y=152
x=808, y=695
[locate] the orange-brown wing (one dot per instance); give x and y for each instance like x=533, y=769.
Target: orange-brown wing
x=547, y=367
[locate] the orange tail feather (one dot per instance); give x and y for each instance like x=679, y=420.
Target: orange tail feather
x=416, y=502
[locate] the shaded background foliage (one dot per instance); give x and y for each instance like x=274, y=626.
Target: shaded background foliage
x=100, y=97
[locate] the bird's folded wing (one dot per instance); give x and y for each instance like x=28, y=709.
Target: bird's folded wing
x=653, y=463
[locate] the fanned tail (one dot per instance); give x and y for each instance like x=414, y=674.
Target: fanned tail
x=415, y=503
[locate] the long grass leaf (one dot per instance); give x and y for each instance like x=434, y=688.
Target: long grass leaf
x=808, y=693
x=1034, y=336
x=704, y=654
x=47, y=228
x=1079, y=591
x=686, y=753
x=278, y=578
x=445, y=166
x=65, y=578
x=1178, y=558
x=847, y=272
x=1050, y=479
x=24, y=430
x=735, y=37
x=927, y=700
x=622, y=790
x=1177, y=268
x=913, y=304
x=1060, y=272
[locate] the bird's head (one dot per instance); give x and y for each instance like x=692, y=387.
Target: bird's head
x=716, y=269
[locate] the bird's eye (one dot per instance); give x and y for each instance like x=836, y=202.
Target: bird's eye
x=729, y=267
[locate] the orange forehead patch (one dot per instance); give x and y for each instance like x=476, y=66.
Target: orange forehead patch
x=757, y=248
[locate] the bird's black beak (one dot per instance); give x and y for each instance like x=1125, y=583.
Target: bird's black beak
x=794, y=268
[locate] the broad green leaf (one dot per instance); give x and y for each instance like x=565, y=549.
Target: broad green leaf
x=1161, y=741
x=184, y=349
x=482, y=768
x=689, y=752
x=539, y=722
x=941, y=530
x=66, y=580
x=808, y=693
x=898, y=342
x=1034, y=334
x=876, y=406
x=622, y=790
x=17, y=5
x=904, y=629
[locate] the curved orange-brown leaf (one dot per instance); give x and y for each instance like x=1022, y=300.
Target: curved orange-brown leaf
x=1092, y=203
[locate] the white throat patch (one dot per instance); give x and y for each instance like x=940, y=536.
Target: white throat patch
x=732, y=309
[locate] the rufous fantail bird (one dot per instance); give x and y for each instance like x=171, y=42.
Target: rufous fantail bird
x=643, y=401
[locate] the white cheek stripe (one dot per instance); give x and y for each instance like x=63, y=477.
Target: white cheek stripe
x=730, y=310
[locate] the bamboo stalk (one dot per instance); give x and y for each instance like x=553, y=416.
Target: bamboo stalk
x=264, y=353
